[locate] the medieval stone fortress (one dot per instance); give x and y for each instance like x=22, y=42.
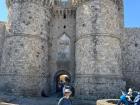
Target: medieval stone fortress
x=83, y=39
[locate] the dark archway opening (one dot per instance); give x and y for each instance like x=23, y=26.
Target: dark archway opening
x=63, y=78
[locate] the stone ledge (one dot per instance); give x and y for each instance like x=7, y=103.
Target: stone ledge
x=107, y=102
x=3, y=103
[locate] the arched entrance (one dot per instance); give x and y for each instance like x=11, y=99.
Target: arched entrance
x=62, y=77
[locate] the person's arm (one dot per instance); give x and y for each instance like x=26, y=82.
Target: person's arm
x=60, y=101
x=71, y=102
x=136, y=100
x=128, y=97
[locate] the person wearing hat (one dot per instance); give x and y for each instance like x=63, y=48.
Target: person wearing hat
x=66, y=99
x=137, y=99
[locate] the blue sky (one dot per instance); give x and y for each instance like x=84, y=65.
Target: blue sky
x=131, y=12
x=3, y=11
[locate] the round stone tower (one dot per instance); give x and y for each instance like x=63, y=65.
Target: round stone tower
x=98, y=52
x=25, y=55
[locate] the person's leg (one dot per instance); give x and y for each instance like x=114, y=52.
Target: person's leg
x=119, y=102
x=130, y=102
x=126, y=102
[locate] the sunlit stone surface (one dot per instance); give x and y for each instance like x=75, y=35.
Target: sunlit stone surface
x=82, y=39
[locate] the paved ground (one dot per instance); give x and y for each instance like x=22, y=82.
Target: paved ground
x=13, y=100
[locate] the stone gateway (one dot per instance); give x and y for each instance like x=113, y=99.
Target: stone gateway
x=83, y=42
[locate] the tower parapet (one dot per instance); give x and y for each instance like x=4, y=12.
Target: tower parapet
x=38, y=2
x=63, y=8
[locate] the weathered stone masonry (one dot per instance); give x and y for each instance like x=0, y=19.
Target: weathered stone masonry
x=98, y=52
x=24, y=67
x=84, y=39
x=131, y=57
x=62, y=44
x=2, y=35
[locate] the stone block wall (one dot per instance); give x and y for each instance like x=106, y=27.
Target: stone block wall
x=131, y=57
x=2, y=35
x=88, y=42
x=24, y=66
x=62, y=44
x=98, y=50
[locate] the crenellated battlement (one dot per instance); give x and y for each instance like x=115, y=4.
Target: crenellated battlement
x=75, y=3
x=64, y=12
x=59, y=3
x=39, y=2
x=78, y=2
x=119, y=3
